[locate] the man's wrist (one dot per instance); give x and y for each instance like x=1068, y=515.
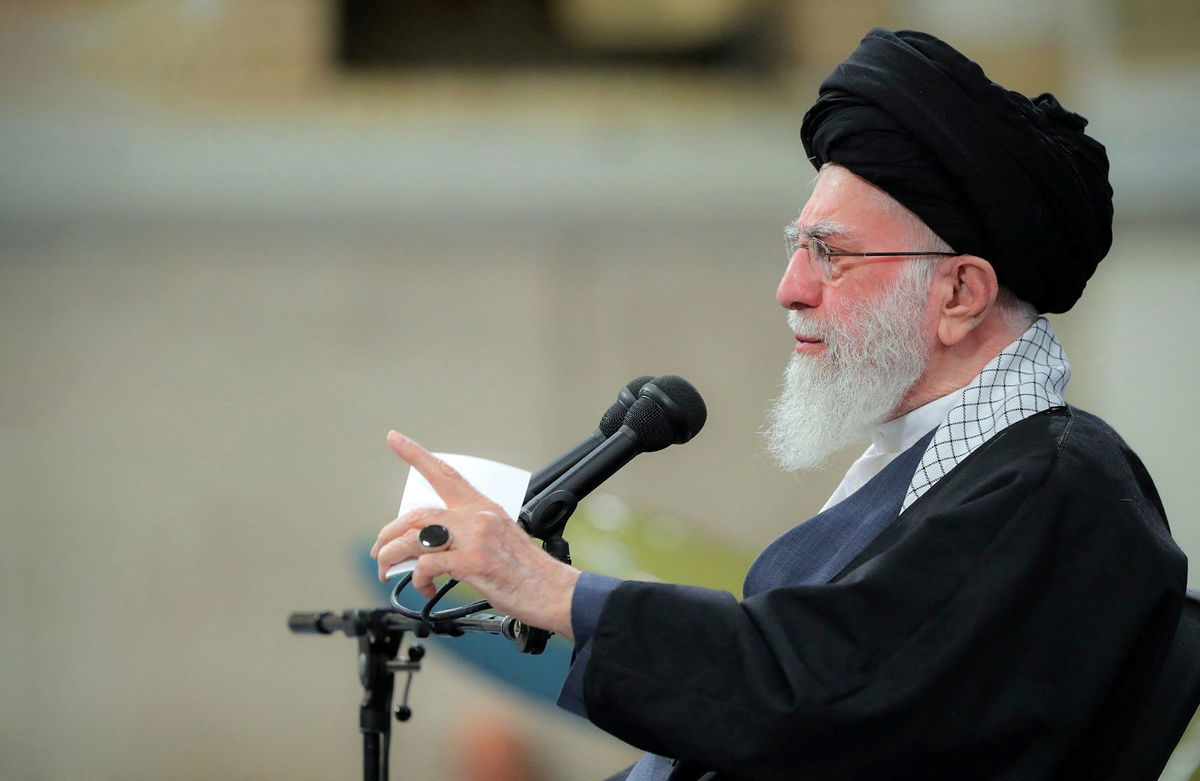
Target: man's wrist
x=564, y=597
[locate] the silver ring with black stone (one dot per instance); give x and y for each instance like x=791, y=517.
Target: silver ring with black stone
x=434, y=537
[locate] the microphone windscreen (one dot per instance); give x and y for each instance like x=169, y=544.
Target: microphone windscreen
x=681, y=401
x=651, y=423
x=669, y=411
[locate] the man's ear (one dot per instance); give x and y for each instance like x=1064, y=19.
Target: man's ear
x=966, y=288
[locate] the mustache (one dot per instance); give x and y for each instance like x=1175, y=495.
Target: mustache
x=810, y=327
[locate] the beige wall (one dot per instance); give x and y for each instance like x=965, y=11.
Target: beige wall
x=218, y=293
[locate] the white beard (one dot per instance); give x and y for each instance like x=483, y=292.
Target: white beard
x=870, y=363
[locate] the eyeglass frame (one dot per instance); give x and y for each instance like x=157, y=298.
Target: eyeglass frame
x=824, y=264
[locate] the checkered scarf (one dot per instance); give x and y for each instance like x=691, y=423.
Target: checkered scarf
x=1027, y=377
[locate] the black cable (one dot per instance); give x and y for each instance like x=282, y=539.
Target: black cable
x=426, y=614
x=555, y=546
x=427, y=611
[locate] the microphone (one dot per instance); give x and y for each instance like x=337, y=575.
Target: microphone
x=609, y=423
x=668, y=411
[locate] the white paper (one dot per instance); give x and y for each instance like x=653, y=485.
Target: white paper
x=503, y=484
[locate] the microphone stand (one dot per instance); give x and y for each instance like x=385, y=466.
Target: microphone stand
x=380, y=634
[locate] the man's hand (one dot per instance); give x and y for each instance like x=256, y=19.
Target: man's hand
x=487, y=549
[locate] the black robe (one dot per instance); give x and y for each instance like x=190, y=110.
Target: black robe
x=1005, y=626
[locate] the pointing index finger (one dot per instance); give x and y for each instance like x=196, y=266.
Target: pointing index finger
x=445, y=479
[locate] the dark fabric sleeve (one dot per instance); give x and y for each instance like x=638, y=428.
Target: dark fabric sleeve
x=591, y=593
x=999, y=629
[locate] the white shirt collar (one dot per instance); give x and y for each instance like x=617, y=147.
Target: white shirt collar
x=889, y=440
x=899, y=434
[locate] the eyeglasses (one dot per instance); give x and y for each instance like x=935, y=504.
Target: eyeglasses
x=820, y=255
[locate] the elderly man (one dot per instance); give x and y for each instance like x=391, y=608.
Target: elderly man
x=992, y=585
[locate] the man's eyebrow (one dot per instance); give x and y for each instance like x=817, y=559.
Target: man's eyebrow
x=824, y=229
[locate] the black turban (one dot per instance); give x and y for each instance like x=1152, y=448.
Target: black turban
x=1012, y=180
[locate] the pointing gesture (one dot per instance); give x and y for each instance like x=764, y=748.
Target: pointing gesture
x=485, y=548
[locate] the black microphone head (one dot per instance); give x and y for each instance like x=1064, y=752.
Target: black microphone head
x=615, y=416
x=669, y=410
x=651, y=424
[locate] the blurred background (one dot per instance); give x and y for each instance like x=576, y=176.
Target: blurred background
x=240, y=240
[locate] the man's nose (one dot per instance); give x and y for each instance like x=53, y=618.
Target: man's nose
x=799, y=288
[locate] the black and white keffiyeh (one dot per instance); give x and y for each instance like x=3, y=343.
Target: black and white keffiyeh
x=1027, y=377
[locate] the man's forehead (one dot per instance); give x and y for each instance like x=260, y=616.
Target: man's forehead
x=846, y=207
x=841, y=204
